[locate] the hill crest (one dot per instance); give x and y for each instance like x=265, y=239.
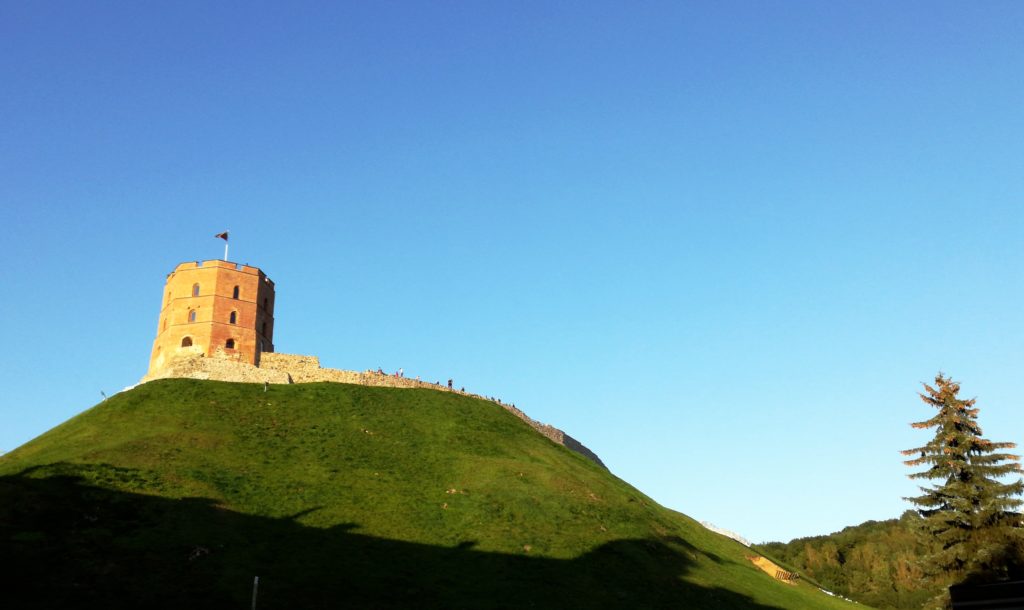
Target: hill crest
x=278, y=368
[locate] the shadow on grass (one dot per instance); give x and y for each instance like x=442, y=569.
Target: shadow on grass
x=72, y=544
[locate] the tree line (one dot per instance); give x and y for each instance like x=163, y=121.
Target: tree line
x=967, y=527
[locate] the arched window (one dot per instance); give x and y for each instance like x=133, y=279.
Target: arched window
x=230, y=344
x=234, y=293
x=195, y=290
x=191, y=315
x=186, y=342
x=234, y=317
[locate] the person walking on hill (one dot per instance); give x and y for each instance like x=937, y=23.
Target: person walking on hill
x=449, y=384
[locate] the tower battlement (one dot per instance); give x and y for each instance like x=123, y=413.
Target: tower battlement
x=214, y=308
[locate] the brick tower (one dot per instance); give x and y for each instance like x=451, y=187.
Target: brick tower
x=215, y=309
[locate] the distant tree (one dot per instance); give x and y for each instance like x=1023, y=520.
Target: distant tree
x=969, y=513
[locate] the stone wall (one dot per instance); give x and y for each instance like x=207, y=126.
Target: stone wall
x=292, y=368
x=217, y=369
x=290, y=363
x=554, y=434
x=307, y=369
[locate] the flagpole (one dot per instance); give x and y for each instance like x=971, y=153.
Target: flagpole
x=224, y=236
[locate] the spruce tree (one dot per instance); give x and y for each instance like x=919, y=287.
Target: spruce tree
x=970, y=514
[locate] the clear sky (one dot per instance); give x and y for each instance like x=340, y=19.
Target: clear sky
x=720, y=243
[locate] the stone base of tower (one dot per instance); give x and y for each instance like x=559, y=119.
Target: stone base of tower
x=198, y=366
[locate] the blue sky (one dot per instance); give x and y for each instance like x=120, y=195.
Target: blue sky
x=720, y=243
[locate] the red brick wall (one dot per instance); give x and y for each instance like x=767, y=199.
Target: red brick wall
x=213, y=306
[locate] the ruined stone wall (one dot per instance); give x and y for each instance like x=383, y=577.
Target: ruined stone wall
x=293, y=368
x=217, y=369
x=291, y=363
x=307, y=369
x=554, y=434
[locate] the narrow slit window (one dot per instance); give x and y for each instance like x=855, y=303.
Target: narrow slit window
x=195, y=290
x=263, y=329
x=192, y=315
x=264, y=303
x=234, y=293
x=234, y=317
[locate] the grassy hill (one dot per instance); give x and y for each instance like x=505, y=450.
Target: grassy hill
x=178, y=492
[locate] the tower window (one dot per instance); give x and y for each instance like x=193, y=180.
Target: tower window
x=195, y=290
x=234, y=293
x=230, y=344
x=264, y=303
x=165, y=323
x=263, y=329
x=191, y=315
x=234, y=317
x=186, y=342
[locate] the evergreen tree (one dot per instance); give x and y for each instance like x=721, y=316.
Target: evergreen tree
x=970, y=513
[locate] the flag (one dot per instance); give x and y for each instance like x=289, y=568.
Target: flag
x=223, y=235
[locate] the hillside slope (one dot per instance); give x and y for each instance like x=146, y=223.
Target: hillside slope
x=179, y=492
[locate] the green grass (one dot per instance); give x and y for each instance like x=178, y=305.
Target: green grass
x=345, y=496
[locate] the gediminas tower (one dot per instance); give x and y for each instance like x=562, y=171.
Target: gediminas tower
x=215, y=308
